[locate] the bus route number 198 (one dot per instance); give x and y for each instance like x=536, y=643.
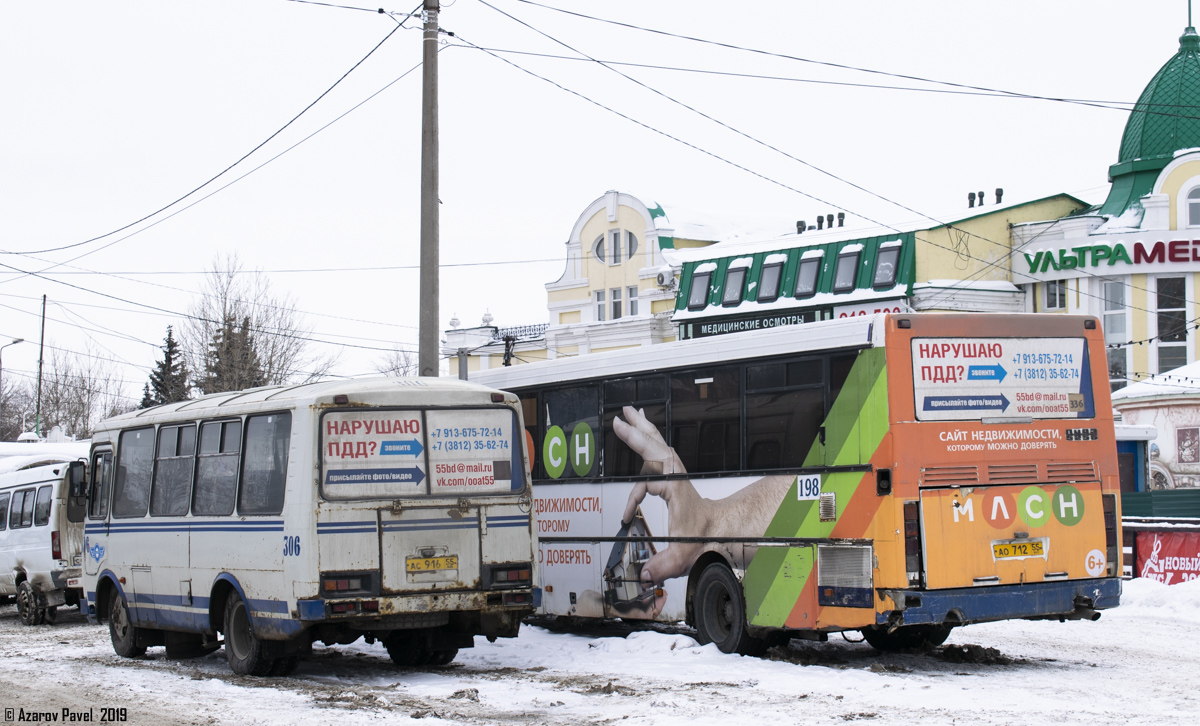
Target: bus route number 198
x=808, y=487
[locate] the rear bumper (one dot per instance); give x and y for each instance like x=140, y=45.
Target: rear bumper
x=1001, y=602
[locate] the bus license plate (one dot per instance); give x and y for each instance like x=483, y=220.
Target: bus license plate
x=427, y=564
x=1009, y=550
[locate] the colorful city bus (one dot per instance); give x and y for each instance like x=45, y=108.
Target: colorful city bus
x=396, y=510
x=898, y=474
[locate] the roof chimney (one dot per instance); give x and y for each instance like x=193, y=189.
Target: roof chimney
x=841, y=219
x=820, y=222
x=999, y=194
x=981, y=199
x=801, y=226
x=829, y=221
x=970, y=200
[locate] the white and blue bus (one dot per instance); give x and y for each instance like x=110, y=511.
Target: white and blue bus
x=396, y=510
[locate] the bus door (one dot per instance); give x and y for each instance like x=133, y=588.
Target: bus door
x=95, y=538
x=1013, y=534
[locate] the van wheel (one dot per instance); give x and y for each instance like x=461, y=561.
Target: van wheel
x=121, y=629
x=27, y=607
x=247, y=655
x=907, y=637
x=721, y=612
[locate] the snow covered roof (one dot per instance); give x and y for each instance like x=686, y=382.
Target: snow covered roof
x=1183, y=381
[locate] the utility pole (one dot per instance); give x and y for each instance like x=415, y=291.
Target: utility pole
x=428, y=352
x=37, y=418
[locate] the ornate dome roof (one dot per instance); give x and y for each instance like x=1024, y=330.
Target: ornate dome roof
x=1166, y=117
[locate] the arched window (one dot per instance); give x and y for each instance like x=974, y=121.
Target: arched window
x=1193, y=198
x=598, y=248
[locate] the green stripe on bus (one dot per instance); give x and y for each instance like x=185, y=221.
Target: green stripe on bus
x=853, y=430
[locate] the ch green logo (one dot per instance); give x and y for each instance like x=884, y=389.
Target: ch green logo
x=1035, y=506
x=582, y=449
x=554, y=452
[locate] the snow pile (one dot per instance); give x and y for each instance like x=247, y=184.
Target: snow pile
x=1146, y=598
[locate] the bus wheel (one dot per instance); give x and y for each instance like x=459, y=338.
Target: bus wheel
x=908, y=637
x=27, y=607
x=441, y=657
x=121, y=629
x=246, y=654
x=721, y=612
x=285, y=665
x=404, y=650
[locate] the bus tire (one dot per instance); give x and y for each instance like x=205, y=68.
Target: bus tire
x=121, y=629
x=404, y=650
x=720, y=612
x=27, y=606
x=247, y=655
x=285, y=665
x=907, y=637
x=441, y=657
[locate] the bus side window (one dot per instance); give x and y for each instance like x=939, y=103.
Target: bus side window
x=264, y=473
x=98, y=487
x=648, y=395
x=784, y=411
x=135, y=466
x=27, y=508
x=575, y=455
x=173, y=471
x=839, y=371
x=41, y=509
x=706, y=427
x=217, y=468
x=4, y=510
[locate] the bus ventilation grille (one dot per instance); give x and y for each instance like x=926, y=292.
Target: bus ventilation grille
x=1071, y=471
x=1013, y=473
x=935, y=475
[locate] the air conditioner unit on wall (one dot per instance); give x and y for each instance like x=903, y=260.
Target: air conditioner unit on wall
x=666, y=278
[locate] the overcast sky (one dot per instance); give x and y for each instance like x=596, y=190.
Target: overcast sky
x=114, y=110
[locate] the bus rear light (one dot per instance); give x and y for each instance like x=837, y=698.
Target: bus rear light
x=1112, y=552
x=518, y=598
x=55, y=546
x=354, y=583
x=341, y=607
x=343, y=584
x=912, y=542
x=510, y=575
x=370, y=606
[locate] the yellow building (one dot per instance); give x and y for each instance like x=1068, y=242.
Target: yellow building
x=617, y=289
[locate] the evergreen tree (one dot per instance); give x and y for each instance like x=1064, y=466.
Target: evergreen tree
x=147, y=399
x=169, y=379
x=233, y=363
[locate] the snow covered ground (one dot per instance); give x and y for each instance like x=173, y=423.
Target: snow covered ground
x=1137, y=664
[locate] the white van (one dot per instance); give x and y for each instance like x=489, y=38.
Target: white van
x=41, y=535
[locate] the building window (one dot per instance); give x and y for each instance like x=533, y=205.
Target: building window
x=600, y=305
x=806, y=277
x=847, y=269
x=1056, y=294
x=598, y=248
x=616, y=303
x=735, y=281
x=614, y=243
x=631, y=244
x=1115, y=333
x=768, y=286
x=1172, y=323
x=633, y=300
x=885, y=265
x=698, y=294
x=1193, y=203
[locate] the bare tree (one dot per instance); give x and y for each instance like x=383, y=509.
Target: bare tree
x=398, y=363
x=272, y=327
x=78, y=391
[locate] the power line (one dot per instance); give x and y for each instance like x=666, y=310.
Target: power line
x=223, y=171
x=840, y=66
x=385, y=268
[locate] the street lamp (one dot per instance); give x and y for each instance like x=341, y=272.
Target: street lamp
x=2, y=347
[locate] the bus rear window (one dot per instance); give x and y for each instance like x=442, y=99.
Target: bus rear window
x=963, y=379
